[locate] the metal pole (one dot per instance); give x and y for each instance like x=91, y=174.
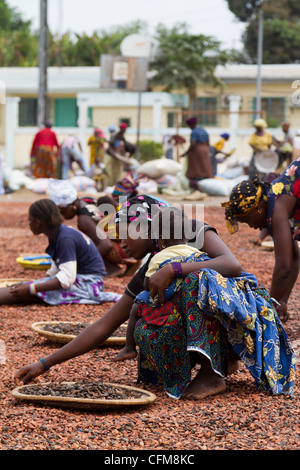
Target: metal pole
x=43, y=63
x=137, y=152
x=259, y=62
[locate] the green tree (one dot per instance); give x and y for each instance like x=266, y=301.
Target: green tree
x=281, y=41
x=85, y=50
x=244, y=9
x=150, y=150
x=184, y=60
x=18, y=45
x=281, y=28
x=10, y=19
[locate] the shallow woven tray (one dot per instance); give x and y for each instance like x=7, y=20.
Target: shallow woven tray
x=269, y=245
x=40, y=261
x=11, y=282
x=65, y=338
x=86, y=403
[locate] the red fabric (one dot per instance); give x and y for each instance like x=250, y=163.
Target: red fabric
x=296, y=189
x=156, y=316
x=44, y=137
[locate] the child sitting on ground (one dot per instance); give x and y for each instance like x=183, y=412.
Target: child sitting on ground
x=172, y=242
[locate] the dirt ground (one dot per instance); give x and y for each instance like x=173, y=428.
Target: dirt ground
x=239, y=419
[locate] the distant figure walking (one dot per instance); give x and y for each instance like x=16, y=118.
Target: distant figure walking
x=43, y=153
x=199, y=165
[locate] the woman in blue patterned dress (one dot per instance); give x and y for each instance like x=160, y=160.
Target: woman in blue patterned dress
x=275, y=206
x=222, y=315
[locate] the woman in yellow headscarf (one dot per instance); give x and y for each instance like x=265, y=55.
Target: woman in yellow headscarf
x=259, y=141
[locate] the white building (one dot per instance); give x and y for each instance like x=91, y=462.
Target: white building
x=77, y=103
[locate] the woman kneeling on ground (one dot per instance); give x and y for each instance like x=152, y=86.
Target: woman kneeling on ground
x=221, y=316
x=77, y=270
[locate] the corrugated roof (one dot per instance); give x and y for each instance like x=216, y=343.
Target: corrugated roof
x=248, y=73
x=60, y=79
x=87, y=79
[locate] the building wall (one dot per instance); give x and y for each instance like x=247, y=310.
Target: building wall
x=2, y=125
x=104, y=116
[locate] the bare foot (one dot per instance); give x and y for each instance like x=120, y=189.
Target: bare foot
x=125, y=354
x=204, y=385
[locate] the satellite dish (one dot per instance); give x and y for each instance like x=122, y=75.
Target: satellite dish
x=137, y=45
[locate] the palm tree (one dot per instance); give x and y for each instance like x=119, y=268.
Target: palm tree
x=184, y=60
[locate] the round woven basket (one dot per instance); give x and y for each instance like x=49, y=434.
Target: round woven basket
x=145, y=398
x=11, y=282
x=269, y=245
x=38, y=327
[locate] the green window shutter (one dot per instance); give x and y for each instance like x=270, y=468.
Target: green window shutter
x=171, y=120
x=28, y=112
x=90, y=116
x=65, y=112
x=208, y=105
x=275, y=109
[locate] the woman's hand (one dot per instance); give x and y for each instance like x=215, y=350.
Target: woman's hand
x=282, y=311
x=159, y=281
x=28, y=373
x=20, y=290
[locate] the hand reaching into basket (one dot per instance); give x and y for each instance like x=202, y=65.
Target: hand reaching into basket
x=27, y=373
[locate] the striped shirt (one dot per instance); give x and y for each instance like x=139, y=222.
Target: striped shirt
x=199, y=135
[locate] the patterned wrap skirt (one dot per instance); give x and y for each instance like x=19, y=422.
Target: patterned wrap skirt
x=87, y=289
x=216, y=316
x=43, y=163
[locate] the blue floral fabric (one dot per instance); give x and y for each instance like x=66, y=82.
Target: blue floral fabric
x=287, y=183
x=214, y=316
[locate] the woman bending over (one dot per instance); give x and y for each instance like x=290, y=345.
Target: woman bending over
x=77, y=270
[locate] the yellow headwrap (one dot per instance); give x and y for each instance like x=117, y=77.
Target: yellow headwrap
x=244, y=199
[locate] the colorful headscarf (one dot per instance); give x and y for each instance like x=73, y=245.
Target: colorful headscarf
x=244, y=198
x=98, y=132
x=225, y=135
x=260, y=123
x=142, y=208
x=126, y=186
x=191, y=121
